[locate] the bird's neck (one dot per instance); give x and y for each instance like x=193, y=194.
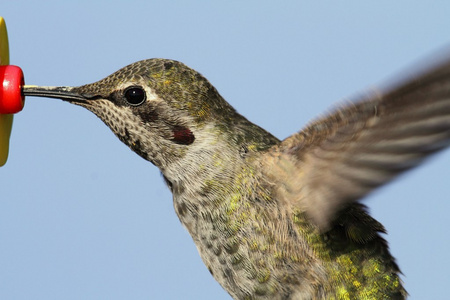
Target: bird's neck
x=220, y=152
x=212, y=158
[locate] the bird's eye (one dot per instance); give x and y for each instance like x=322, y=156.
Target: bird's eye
x=135, y=95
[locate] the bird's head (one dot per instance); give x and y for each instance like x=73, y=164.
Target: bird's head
x=161, y=109
x=157, y=106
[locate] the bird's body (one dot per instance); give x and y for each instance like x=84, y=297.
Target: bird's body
x=274, y=219
x=257, y=247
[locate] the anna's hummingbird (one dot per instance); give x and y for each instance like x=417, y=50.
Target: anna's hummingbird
x=274, y=219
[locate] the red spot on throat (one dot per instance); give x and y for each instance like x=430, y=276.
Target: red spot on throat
x=183, y=135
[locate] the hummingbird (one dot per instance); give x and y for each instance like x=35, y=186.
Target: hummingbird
x=275, y=219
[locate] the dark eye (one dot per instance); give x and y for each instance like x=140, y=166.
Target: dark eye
x=135, y=95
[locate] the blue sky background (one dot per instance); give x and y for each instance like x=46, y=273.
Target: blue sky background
x=82, y=217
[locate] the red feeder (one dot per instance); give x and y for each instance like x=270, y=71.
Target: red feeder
x=11, y=97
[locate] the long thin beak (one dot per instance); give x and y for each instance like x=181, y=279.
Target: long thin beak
x=60, y=92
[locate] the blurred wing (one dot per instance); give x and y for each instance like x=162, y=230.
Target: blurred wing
x=338, y=159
